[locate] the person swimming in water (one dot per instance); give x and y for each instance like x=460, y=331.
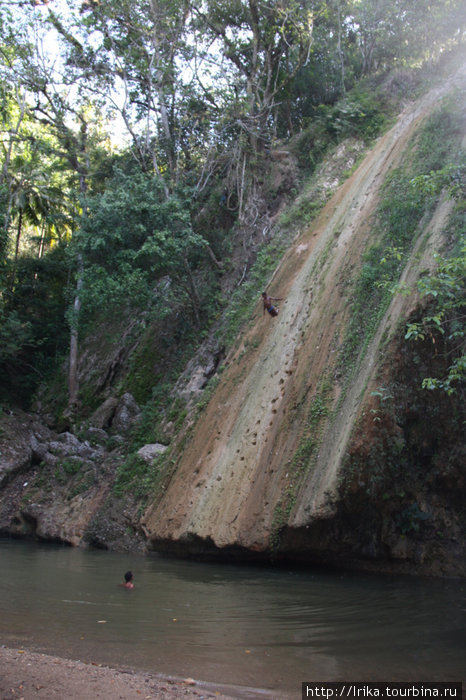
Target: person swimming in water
x=268, y=306
x=128, y=580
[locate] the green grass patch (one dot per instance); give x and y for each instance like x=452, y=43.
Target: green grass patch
x=408, y=197
x=137, y=476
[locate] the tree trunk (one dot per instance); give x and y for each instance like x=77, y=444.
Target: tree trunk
x=15, y=260
x=341, y=55
x=73, y=382
x=73, y=379
x=42, y=242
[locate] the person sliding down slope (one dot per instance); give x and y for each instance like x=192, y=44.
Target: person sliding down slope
x=273, y=310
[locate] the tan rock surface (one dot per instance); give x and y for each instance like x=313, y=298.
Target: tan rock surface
x=233, y=474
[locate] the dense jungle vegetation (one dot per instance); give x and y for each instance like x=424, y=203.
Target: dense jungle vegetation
x=136, y=139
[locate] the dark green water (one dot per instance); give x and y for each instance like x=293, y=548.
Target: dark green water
x=245, y=626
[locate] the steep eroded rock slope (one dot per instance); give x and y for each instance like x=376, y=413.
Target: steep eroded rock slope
x=265, y=468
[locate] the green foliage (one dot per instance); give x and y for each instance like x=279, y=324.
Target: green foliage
x=437, y=147
x=147, y=370
x=444, y=287
x=401, y=210
x=303, y=210
x=137, y=476
x=67, y=469
x=360, y=114
x=319, y=409
x=140, y=221
x=33, y=333
x=404, y=447
x=451, y=178
x=71, y=466
x=153, y=411
x=409, y=519
x=207, y=394
x=139, y=249
x=15, y=334
x=410, y=193
x=368, y=294
x=445, y=315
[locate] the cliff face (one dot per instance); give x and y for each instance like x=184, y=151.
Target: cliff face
x=270, y=465
x=297, y=455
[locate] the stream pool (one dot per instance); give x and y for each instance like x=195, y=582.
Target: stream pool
x=244, y=626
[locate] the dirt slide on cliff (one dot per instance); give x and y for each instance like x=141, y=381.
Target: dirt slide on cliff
x=237, y=469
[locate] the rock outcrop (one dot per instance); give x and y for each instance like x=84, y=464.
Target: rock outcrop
x=267, y=469
x=58, y=487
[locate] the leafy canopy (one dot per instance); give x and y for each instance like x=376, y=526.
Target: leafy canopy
x=131, y=238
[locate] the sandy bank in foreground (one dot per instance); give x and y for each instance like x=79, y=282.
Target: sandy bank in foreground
x=31, y=676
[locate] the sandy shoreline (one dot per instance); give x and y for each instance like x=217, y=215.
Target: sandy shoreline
x=29, y=675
